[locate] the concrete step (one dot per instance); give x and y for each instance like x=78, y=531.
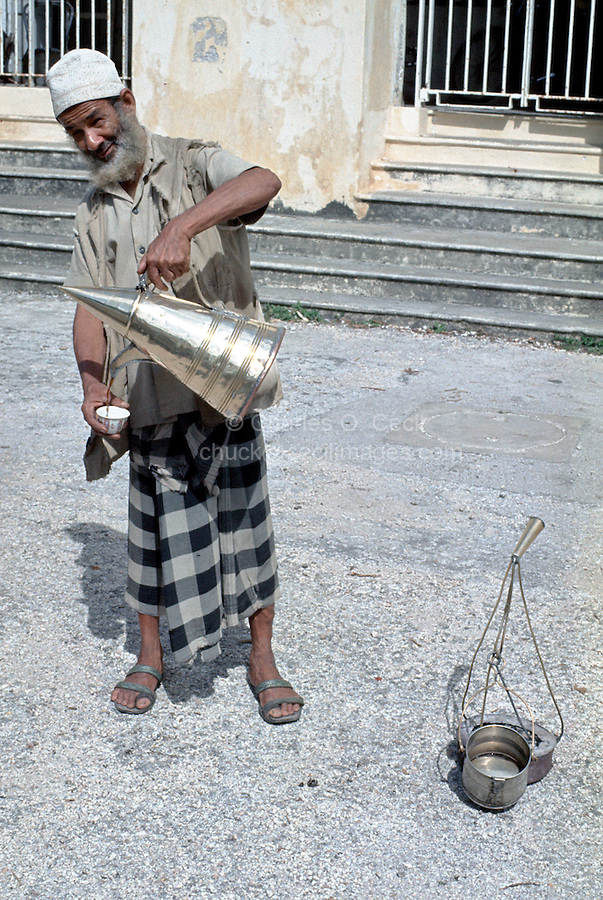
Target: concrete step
x=423, y=283
x=35, y=250
x=27, y=180
x=16, y=276
x=437, y=309
x=363, y=278
x=515, y=154
x=488, y=181
x=25, y=213
x=366, y=268
x=403, y=244
x=434, y=307
x=39, y=156
x=363, y=242
x=460, y=211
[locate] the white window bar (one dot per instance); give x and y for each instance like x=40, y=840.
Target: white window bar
x=429, y=60
x=18, y=51
x=487, y=46
x=93, y=24
x=62, y=28
x=570, y=48
x=589, y=55
x=46, y=35
x=549, y=47
x=505, y=65
x=31, y=50
x=528, y=44
x=108, y=28
x=77, y=25
x=449, y=43
x=125, y=43
x=420, y=43
x=468, y=44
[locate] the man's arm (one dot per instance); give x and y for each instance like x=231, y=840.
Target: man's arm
x=168, y=256
x=89, y=344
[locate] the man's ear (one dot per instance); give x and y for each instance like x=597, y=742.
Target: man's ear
x=128, y=100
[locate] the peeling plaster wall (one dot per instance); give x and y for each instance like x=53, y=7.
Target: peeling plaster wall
x=299, y=86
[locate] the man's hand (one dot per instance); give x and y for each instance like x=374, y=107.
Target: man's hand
x=96, y=396
x=168, y=256
x=90, y=347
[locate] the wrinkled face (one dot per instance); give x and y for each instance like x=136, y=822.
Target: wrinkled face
x=110, y=138
x=94, y=126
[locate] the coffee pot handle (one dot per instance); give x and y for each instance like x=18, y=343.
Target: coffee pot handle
x=125, y=357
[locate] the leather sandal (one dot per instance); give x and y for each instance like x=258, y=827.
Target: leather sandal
x=140, y=689
x=256, y=690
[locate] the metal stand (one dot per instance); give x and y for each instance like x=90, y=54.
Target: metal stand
x=542, y=741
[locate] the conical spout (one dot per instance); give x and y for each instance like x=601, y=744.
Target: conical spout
x=531, y=532
x=113, y=305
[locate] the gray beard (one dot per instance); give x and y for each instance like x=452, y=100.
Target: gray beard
x=129, y=156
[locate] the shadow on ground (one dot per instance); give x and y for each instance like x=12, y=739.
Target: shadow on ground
x=103, y=561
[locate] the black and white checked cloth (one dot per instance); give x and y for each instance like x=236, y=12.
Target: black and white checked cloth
x=200, y=541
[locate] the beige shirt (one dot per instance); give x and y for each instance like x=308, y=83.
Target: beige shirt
x=130, y=224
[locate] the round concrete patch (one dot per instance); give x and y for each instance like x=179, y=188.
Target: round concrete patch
x=488, y=430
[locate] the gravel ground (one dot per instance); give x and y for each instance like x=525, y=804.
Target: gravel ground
x=403, y=468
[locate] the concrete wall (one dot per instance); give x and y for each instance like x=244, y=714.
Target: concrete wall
x=301, y=87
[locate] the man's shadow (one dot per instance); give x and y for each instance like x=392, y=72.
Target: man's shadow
x=103, y=563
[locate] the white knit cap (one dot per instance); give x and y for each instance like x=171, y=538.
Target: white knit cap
x=82, y=75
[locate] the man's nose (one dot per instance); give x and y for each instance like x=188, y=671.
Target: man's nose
x=93, y=139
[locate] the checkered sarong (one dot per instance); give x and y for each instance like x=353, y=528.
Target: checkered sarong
x=200, y=540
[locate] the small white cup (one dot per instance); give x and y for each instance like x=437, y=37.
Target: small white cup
x=112, y=417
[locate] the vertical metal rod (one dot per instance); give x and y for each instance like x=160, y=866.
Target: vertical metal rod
x=62, y=28
x=4, y=24
x=549, y=47
x=77, y=24
x=420, y=43
x=109, y=35
x=46, y=36
x=468, y=44
x=528, y=44
x=31, y=52
x=429, y=59
x=18, y=40
x=487, y=46
x=570, y=47
x=125, y=19
x=124, y=39
x=93, y=24
x=449, y=44
x=505, y=65
x=591, y=44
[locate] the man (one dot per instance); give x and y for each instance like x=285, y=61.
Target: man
x=200, y=536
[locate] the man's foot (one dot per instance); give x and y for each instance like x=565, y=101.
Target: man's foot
x=264, y=670
x=129, y=699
